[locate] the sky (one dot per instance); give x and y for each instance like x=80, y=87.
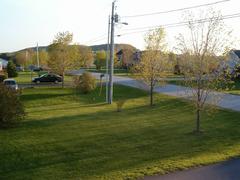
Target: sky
x=24, y=23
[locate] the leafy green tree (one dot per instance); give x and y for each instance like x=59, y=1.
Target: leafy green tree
x=62, y=55
x=21, y=58
x=154, y=63
x=25, y=58
x=86, y=56
x=11, y=70
x=100, y=59
x=202, y=66
x=43, y=58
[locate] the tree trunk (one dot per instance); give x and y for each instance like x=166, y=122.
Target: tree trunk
x=100, y=92
x=63, y=79
x=198, y=111
x=198, y=121
x=151, y=94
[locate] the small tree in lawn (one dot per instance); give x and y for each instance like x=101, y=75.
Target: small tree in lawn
x=100, y=59
x=154, y=62
x=62, y=55
x=11, y=70
x=201, y=46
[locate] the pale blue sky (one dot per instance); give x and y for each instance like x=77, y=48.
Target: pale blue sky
x=26, y=22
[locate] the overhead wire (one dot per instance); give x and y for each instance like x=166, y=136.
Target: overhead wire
x=175, y=10
x=102, y=37
x=184, y=23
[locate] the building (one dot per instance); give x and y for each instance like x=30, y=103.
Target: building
x=3, y=64
x=233, y=60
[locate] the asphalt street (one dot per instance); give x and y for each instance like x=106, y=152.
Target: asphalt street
x=229, y=170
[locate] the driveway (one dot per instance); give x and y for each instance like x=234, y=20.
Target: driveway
x=228, y=101
x=229, y=170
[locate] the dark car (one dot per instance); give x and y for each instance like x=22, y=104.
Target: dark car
x=46, y=78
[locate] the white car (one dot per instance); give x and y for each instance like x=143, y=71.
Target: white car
x=11, y=83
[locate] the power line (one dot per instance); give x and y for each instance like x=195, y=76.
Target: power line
x=170, y=25
x=184, y=22
x=237, y=15
x=98, y=38
x=175, y=10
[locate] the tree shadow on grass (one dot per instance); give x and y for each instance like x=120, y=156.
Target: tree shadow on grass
x=121, y=144
x=140, y=139
x=34, y=97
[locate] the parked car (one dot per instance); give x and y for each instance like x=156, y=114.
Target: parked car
x=37, y=69
x=10, y=83
x=46, y=78
x=20, y=68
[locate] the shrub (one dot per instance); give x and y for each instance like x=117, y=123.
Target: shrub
x=11, y=108
x=120, y=104
x=11, y=69
x=85, y=83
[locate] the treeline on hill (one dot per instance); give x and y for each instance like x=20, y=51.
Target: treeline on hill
x=87, y=54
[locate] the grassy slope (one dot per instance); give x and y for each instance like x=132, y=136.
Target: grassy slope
x=78, y=137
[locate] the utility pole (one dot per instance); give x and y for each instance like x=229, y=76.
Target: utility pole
x=111, y=64
x=107, y=59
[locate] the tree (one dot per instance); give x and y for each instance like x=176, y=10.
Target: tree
x=21, y=58
x=25, y=58
x=127, y=57
x=11, y=108
x=62, y=55
x=86, y=56
x=11, y=70
x=175, y=63
x=100, y=59
x=85, y=83
x=43, y=58
x=204, y=41
x=153, y=63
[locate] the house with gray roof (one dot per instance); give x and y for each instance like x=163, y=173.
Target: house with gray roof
x=233, y=59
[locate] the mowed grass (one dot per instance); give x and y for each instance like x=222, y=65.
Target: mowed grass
x=25, y=77
x=70, y=136
x=234, y=88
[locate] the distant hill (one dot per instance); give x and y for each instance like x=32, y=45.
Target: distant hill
x=94, y=47
x=118, y=47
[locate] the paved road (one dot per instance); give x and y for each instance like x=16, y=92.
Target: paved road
x=229, y=170
x=228, y=101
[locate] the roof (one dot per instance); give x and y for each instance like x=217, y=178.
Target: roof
x=237, y=52
x=4, y=62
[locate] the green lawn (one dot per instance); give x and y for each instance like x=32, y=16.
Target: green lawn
x=234, y=88
x=69, y=136
x=25, y=77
